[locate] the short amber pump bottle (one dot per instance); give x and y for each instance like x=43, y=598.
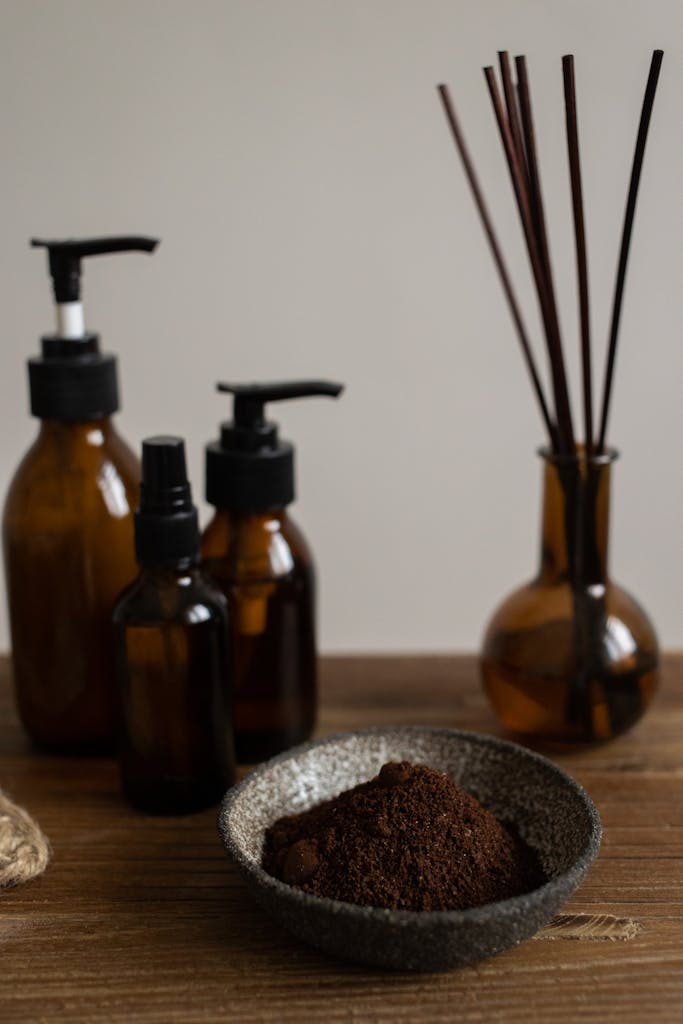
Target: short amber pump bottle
x=171, y=633
x=259, y=557
x=68, y=524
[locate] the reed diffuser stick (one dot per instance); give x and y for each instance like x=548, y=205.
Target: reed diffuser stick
x=511, y=106
x=629, y=214
x=580, y=239
x=565, y=429
x=498, y=259
x=535, y=192
x=516, y=127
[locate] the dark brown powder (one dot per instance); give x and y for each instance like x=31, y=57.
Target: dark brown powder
x=410, y=839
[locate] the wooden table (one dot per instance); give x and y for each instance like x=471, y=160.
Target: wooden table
x=145, y=920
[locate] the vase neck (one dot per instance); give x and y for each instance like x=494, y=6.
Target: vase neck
x=574, y=542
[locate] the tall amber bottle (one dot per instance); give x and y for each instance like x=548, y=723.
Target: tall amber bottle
x=171, y=633
x=257, y=554
x=68, y=526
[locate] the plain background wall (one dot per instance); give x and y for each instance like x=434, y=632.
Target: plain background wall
x=294, y=159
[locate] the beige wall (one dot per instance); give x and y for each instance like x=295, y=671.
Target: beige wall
x=294, y=159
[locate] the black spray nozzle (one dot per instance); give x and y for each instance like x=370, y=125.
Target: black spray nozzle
x=166, y=526
x=64, y=258
x=251, y=398
x=164, y=486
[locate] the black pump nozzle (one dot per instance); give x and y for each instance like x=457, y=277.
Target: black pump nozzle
x=64, y=258
x=251, y=398
x=249, y=469
x=250, y=429
x=73, y=380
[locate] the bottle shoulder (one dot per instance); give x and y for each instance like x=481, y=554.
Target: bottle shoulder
x=72, y=449
x=294, y=536
x=117, y=450
x=31, y=466
x=538, y=602
x=188, y=599
x=74, y=472
x=268, y=547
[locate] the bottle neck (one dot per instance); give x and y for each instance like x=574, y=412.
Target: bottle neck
x=256, y=543
x=163, y=575
x=256, y=519
x=229, y=524
x=575, y=530
x=86, y=433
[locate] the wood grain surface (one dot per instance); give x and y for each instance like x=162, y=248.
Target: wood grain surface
x=145, y=919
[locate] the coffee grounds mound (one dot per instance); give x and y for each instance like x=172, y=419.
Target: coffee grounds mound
x=410, y=839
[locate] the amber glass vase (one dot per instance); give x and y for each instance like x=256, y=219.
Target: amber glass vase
x=571, y=656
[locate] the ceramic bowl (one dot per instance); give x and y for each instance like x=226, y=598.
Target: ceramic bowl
x=551, y=811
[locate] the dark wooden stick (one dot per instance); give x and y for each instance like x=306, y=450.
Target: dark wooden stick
x=580, y=239
x=480, y=203
x=535, y=192
x=629, y=214
x=552, y=331
x=534, y=178
x=511, y=107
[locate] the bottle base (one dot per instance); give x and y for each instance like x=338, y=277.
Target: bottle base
x=566, y=712
x=105, y=748
x=166, y=800
x=253, y=747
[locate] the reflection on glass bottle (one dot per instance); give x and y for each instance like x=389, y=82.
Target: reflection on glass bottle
x=571, y=656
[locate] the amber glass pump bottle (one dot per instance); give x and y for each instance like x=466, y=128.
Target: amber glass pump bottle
x=260, y=559
x=172, y=661
x=68, y=525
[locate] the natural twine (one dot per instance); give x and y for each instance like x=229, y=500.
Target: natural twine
x=24, y=850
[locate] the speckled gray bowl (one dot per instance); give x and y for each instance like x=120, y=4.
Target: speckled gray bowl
x=552, y=812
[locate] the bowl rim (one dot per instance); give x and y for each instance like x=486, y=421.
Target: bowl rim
x=567, y=880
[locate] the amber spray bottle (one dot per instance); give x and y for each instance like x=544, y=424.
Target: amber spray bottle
x=171, y=634
x=68, y=524
x=259, y=557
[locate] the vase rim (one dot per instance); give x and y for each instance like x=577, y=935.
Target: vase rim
x=604, y=458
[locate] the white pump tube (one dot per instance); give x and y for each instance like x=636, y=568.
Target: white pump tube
x=70, y=320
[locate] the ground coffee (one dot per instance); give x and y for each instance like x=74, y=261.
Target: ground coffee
x=410, y=839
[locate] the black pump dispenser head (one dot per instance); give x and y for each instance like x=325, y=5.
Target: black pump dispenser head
x=73, y=380
x=250, y=469
x=64, y=258
x=166, y=523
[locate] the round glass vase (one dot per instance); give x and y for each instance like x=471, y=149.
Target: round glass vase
x=571, y=657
